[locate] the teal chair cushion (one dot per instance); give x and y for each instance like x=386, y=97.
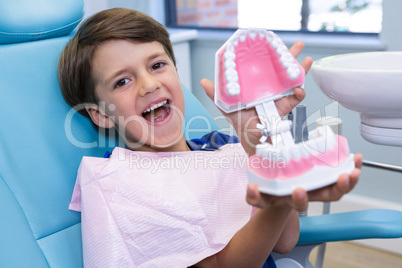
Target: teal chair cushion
x=26, y=20
x=42, y=141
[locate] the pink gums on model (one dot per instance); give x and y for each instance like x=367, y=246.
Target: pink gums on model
x=282, y=170
x=260, y=72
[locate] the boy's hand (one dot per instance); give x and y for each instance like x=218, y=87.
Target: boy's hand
x=245, y=121
x=300, y=198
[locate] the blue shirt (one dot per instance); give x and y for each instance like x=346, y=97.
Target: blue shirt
x=211, y=141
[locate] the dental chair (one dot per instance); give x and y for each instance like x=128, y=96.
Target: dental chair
x=42, y=141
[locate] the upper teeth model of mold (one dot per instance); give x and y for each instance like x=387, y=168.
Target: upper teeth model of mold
x=253, y=69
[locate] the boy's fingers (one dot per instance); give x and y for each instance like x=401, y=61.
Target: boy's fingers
x=208, y=87
x=342, y=185
x=358, y=160
x=297, y=97
x=354, y=178
x=300, y=199
x=253, y=195
x=297, y=48
x=332, y=192
x=306, y=64
x=285, y=105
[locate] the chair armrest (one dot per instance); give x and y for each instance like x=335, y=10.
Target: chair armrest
x=364, y=224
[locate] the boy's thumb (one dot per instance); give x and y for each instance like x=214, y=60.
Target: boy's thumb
x=209, y=87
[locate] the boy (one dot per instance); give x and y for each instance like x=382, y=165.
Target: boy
x=120, y=64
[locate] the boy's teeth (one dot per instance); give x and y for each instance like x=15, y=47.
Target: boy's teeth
x=153, y=107
x=285, y=57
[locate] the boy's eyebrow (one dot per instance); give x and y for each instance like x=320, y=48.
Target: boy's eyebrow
x=121, y=71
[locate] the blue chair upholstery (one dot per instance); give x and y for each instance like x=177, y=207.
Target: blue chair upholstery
x=42, y=141
x=354, y=225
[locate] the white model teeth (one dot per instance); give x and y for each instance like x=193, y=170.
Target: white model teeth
x=242, y=35
x=282, y=49
x=330, y=138
x=229, y=56
x=317, y=145
x=155, y=106
x=293, y=71
x=267, y=151
x=252, y=32
x=270, y=36
x=229, y=47
x=230, y=65
x=285, y=57
x=231, y=75
x=233, y=88
x=325, y=140
x=276, y=43
x=262, y=33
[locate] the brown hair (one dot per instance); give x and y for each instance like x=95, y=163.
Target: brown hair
x=74, y=69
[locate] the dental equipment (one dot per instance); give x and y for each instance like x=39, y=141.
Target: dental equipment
x=253, y=69
x=368, y=83
x=364, y=82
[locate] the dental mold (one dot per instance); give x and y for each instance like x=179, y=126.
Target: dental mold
x=253, y=69
x=254, y=65
x=310, y=165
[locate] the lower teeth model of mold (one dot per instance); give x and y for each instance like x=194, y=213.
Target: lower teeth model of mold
x=253, y=69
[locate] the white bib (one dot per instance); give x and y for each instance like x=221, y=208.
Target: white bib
x=141, y=209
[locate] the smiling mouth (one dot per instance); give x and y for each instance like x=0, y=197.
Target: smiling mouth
x=157, y=112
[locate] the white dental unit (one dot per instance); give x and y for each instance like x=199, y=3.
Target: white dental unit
x=368, y=83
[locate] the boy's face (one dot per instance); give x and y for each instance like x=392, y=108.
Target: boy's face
x=139, y=94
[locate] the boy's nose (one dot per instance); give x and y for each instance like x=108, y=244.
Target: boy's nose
x=148, y=84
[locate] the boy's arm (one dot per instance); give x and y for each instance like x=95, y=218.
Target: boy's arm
x=252, y=244
x=265, y=231
x=290, y=234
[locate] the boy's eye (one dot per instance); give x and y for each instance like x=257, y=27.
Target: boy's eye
x=157, y=65
x=121, y=82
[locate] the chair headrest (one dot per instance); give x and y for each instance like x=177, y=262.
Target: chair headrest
x=26, y=20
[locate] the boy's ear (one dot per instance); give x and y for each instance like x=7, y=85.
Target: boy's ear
x=98, y=116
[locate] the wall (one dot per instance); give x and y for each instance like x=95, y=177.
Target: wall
x=207, y=13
